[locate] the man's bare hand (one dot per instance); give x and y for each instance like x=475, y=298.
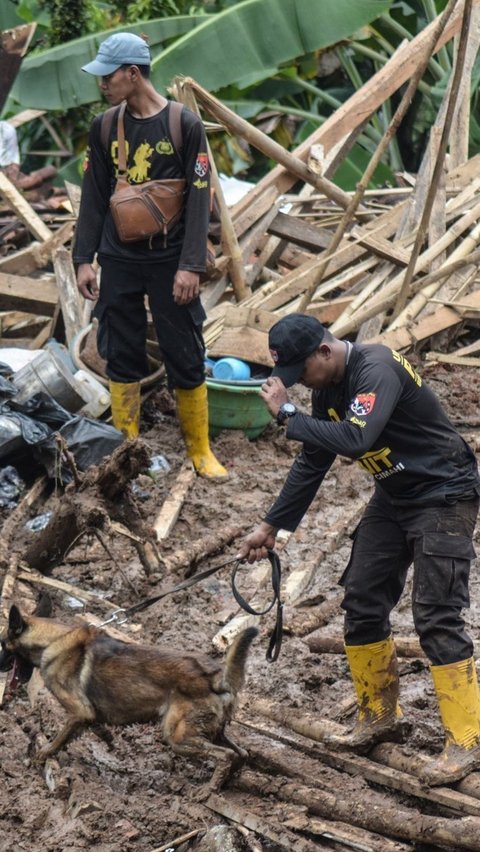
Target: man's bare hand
x=186, y=286
x=87, y=282
x=255, y=545
x=274, y=394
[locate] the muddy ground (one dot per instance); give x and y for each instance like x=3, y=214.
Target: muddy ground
x=135, y=794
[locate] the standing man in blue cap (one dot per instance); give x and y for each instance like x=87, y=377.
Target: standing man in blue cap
x=166, y=269
x=369, y=404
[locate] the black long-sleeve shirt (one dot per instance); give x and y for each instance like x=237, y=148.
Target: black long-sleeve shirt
x=150, y=156
x=383, y=415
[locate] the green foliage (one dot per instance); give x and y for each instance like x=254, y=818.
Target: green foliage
x=67, y=19
x=285, y=65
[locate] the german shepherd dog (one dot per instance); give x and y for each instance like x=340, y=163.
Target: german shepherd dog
x=98, y=679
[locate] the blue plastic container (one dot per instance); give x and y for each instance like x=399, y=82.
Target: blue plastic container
x=231, y=370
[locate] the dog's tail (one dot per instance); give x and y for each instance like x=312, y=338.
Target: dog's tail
x=234, y=667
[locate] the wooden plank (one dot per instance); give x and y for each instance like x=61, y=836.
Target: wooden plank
x=38, y=579
x=328, y=311
x=441, y=320
x=35, y=296
x=295, y=282
x=167, y=517
x=37, y=255
x=74, y=193
x=21, y=262
x=297, y=231
x=71, y=302
x=383, y=248
x=22, y=208
x=445, y=358
x=25, y=117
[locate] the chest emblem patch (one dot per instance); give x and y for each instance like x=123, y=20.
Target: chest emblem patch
x=363, y=404
x=201, y=165
x=164, y=147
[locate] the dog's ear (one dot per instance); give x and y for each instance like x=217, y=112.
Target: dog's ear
x=16, y=624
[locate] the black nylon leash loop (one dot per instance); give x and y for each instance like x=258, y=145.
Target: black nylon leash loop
x=275, y=641
x=120, y=616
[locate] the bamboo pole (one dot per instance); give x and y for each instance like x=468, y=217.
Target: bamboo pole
x=423, y=226
x=385, y=141
x=230, y=246
x=386, y=298
x=263, y=143
x=422, y=298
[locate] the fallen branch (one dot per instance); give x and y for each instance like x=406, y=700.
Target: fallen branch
x=396, y=821
x=325, y=644
x=188, y=558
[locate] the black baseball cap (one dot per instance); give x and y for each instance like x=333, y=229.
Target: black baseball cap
x=291, y=340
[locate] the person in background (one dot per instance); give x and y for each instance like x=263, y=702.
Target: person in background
x=166, y=270
x=369, y=404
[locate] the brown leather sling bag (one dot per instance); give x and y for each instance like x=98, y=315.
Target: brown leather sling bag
x=142, y=211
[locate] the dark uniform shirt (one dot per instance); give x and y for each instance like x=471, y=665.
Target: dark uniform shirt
x=383, y=415
x=150, y=156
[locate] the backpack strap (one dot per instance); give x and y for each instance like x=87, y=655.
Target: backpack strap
x=175, y=110
x=106, y=125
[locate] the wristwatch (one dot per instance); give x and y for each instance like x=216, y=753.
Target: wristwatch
x=288, y=409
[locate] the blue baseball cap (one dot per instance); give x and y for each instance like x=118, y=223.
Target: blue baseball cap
x=119, y=49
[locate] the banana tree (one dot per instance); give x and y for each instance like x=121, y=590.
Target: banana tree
x=239, y=48
x=245, y=43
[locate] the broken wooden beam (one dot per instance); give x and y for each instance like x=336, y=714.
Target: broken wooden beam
x=171, y=508
x=22, y=208
x=13, y=47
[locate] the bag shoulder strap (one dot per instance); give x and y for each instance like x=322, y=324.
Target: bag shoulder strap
x=175, y=110
x=106, y=125
x=122, y=152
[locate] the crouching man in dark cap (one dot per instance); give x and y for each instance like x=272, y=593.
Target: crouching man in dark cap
x=369, y=404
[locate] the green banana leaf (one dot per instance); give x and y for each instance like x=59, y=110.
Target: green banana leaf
x=243, y=44
x=8, y=16
x=52, y=79
x=249, y=41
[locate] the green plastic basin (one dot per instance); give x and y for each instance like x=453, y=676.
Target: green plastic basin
x=236, y=405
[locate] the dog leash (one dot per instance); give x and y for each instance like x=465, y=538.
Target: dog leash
x=121, y=615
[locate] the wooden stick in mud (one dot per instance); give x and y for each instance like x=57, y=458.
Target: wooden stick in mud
x=183, y=838
x=324, y=644
x=74, y=591
x=395, y=821
x=281, y=837
x=398, y=772
x=201, y=548
x=299, y=757
x=171, y=508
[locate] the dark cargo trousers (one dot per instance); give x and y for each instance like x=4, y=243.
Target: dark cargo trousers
x=438, y=541
x=122, y=323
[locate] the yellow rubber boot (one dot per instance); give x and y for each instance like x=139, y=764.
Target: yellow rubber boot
x=458, y=696
x=192, y=412
x=126, y=407
x=375, y=678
